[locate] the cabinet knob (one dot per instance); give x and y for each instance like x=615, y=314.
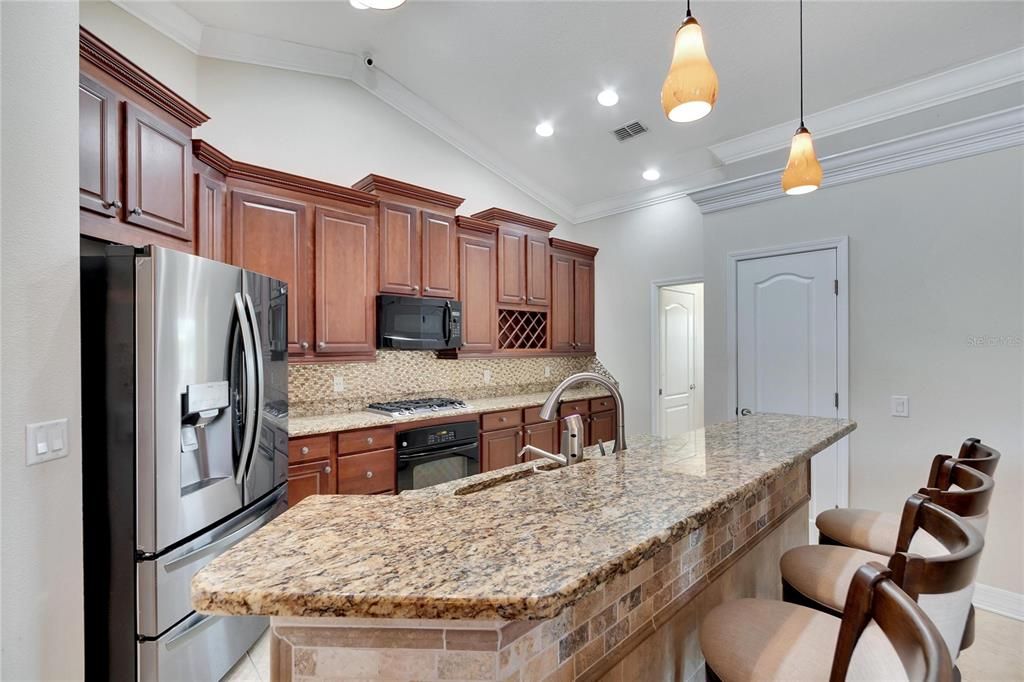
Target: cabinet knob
x=501, y=419
x=305, y=450
x=415, y=287
x=322, y=345
x=369, y=474
x=116, y=203
x=529, y=433
x=369, y=440
x=327, y=469
x=304, y=345
x=136, y=211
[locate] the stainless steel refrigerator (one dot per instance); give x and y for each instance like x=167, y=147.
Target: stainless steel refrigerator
x=185, y=451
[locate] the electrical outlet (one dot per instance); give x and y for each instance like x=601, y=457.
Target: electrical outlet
x=900, y=405
x=487, y=376
x=45, y=441
x=339, y=384
x=547, y=371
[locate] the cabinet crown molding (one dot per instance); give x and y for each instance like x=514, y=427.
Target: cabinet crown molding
x=238, y=170
x=476, y=225
x=119, y=67
x=376, y=184
x=501, y=215
x=573, y=247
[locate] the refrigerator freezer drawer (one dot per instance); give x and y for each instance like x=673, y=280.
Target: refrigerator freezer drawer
x=164, y=588
x=200, y=648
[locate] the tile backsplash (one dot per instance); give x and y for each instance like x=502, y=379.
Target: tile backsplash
x=317, y=389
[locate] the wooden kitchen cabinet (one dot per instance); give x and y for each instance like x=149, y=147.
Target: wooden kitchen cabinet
x=524, y=276
x=310, y=478
x=478, y=286
x=346, y=281
x=511, y=266
x=538, y=281
x=543, y=435
x=98, y=158
x=418, y=243
x=499, y=448
x=211, y=228
x=272, y=236
x=602, y=427
x=368, y=473
x=572, y=298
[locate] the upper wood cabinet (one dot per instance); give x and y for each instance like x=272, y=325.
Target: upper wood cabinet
x=478, y=286
x=272, y=236
x=136, y=184
x=98, y=158
x=418, y=245
x=211, y=228
x=346, y=281
x=572, y=301
x=523, y=265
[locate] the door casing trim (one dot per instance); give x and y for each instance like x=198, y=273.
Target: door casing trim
x=842, y=248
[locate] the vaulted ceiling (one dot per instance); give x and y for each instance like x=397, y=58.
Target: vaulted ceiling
x=489, y=71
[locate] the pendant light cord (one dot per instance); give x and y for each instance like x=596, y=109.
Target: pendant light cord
x=688, y=9
x=801, y=61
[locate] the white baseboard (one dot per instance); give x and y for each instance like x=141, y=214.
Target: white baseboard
x=1000, y=601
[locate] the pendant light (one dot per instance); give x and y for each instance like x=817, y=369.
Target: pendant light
x=691, y=86
x=376, y=4
x=803, y=172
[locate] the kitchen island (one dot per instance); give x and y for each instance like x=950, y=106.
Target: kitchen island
x=599, y=570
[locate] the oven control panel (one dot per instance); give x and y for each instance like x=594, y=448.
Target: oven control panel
x=434, y=436
x=438, y=437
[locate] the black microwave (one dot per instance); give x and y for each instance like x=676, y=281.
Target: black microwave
x=410, y=323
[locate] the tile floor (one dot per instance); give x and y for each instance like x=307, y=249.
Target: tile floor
x=997, y=654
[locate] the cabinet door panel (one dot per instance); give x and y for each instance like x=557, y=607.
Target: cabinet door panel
x=440, y=256
x=399, y=250
x=511, y=266
x=543, y=436
x=211, y=218
x=583, y=305
x=478, y=288
x=312, y=478
x=97, y=147
x=272, y=236
x=346, y=281
x=538, y=275
x=499, y=448
x=367, y=474
x=602, y=428
x=158, y=173
x=562, y=317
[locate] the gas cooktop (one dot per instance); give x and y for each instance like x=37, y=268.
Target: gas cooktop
x=401, y=408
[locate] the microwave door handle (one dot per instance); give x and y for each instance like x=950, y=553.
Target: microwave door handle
x=260, y=377
x=447, y=323
x=250, y=389
x=400, y=338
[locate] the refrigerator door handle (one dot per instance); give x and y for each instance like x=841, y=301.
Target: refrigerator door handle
x=260, y=387
x=195, y=626
x=248, y=438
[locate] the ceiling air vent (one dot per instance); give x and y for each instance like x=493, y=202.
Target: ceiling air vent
x=629, y=131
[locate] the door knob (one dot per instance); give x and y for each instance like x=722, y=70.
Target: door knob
x=745, y=412
x=693, y=386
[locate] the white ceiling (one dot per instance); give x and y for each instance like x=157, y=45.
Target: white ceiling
x=497, y=68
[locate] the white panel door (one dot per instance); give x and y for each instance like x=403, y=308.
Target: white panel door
x=678, y=412
x=786, y=348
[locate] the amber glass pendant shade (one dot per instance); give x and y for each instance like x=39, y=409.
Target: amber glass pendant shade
x=691, y=87
x=803, y=172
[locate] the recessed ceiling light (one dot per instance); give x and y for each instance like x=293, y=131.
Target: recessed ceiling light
x=608, y=98
x=376, y=4
x=545, y=129
x=652, y=174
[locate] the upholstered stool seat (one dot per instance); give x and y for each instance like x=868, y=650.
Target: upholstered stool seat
x=872, y=531
x=755, y=639
x=822, y=573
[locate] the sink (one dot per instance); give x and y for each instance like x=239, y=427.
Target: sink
x=507, y=478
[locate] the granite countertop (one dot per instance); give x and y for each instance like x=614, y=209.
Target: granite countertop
x=345, y=421
x=524, y=549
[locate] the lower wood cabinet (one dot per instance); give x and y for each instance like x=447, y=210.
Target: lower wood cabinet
x=367, y=473
x=499, y=448
x=602, y=427
x=310, y=478
x=543, y=436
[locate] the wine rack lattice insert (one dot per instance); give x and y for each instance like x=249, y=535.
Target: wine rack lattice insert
x=522, y=330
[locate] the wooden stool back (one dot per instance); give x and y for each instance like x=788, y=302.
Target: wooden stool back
x=975, y=488
x=873, y=596
x=973, y=454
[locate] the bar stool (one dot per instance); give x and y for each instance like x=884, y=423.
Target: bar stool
x=882, y=635
x=875, y=531
x=942, y=582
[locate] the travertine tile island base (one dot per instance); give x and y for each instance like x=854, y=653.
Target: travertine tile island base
x=595, y=571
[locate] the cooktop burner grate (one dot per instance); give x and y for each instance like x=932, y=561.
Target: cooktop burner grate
x=400, y=408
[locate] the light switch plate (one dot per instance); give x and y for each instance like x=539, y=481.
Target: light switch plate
x=547, y=371
x=900, y=406
x=487, y=376
x=45, y=441
x=339, y=384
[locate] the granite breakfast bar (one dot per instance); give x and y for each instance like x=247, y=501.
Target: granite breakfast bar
x=595, y=571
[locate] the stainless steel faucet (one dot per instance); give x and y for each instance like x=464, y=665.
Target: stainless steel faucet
x=572, y=436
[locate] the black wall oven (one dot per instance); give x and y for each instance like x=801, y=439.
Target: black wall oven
x=410, y=323
x=437, y=454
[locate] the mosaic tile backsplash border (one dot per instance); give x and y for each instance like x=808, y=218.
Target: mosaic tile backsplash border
x=318, y=389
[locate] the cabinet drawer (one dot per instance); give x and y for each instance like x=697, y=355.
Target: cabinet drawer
x=368, y=473
x=311, y=447
x=531, y=415
x=602, y=404
x=367, y=439
x=581, y=407
x=502, y=420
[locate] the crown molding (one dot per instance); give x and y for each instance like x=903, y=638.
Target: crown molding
x=378, y=184
x=573, y=247
x=978, y=135
x=471, y=224
x=934, y=90
x=169, y=19
x=504, y=216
